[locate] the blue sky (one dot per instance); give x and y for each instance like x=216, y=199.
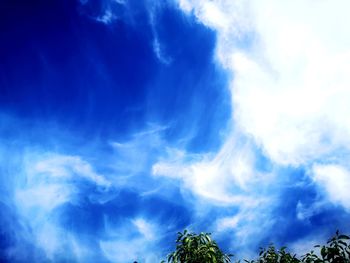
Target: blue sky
x=123, y=122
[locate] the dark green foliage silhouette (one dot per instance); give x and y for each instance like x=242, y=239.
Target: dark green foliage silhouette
x=337, y=250
x=193, y=248
x=273, y=255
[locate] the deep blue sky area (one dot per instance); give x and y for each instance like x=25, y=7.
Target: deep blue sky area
x=118, y=129
x=71, y=84
x=60, y=65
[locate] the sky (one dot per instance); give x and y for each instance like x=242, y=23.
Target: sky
x=123, y=122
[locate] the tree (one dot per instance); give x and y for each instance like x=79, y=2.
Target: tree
x=193, y=248
x=273, y=255
x=337, y=250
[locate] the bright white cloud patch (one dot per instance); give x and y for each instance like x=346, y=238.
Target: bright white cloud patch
x=224, y=178
x=48, y=182
x=291, y=76
x=335, y=179
x=145, y=228
x=292, y=92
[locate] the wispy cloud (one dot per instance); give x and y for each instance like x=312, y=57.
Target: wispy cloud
x=335, y=181
x=282, y=158
x=224, y=177
x=289, y=63
x=106, y=18
x=158, y=50
x=289, y=89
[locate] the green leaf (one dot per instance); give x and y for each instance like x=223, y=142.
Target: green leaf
x=343, y=237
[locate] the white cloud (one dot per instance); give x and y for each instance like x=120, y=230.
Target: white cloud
x=145, y=228
x=50, y=239
x=158, y=50
x=248, y=226
x=227, y=223
x=335, y=180
x=107, y=18
x=65, y=167
x=293, y=96
x=45, y=197
x=290, y=87
x=158, y=47
x=124, y=246
x=51, y=180
x=48, y=182
x=223, y=178
x=139, y=151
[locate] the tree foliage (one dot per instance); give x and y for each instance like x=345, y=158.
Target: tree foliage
x=273, y=255
x=337, y=250
x=193, y=248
